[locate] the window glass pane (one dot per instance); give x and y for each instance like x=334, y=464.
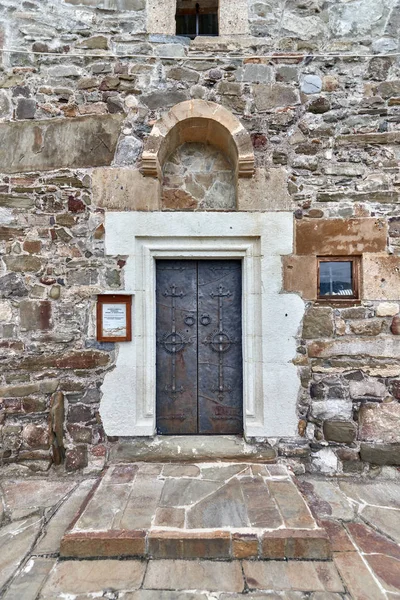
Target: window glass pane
x=335, y=278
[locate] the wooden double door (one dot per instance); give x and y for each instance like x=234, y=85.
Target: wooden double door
x=199, y=347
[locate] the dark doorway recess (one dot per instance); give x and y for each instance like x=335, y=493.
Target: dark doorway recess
x=199, y=347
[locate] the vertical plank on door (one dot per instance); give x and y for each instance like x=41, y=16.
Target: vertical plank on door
x=176, y=347
x=220, y=378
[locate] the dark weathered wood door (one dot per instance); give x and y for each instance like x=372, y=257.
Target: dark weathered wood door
x=199, y=347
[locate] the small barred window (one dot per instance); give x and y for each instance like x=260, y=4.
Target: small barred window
x=197, y=18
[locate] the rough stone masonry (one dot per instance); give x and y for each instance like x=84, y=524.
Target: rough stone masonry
x=316, y=84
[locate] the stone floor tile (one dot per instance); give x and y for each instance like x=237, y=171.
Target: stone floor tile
x=16, y=540
x=338, y=536
x=277, y=471
x=121, y=474
x=261, y=507
x=304, y=544
x=245, y=545
x=93, y=576
x=260, y=596
x=223, y=508
x=371, y=542
x=181, y=471
x=329, y=577
x=258, y=471
x=221, y=471
x=356, y=577
x=170, y=517
x=377, y=493
x=270, y=575
x=57, y=525
x=186, y=544
x=107, y=544
x=185, y=492
x=326, y=499
x=151, y=470
x=26, y=585
x=303, y=576
x=192, y=575
x=107, y=504
x=387, y=569
x=326, y=596
x=163, y=595
x=291, y=504
x=50, y=596
x=142, y=502
x=1, y=507
x=385, y=520
x=24, y=495
x=319, y=508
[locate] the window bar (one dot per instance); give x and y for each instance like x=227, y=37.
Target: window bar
x=330, y=279
x=197, y=18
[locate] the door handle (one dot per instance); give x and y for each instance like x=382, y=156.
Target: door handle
x=205, y=320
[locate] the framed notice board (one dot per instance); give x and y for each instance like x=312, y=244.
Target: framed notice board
x=114, y=318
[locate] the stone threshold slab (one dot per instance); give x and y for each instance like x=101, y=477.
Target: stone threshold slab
x=296, y=544
x=198, y=510
x=189, y=448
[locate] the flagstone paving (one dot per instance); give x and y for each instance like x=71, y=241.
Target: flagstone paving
x=205, y=510
x=361, y=518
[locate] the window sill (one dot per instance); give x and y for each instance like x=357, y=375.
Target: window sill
x=337, y=303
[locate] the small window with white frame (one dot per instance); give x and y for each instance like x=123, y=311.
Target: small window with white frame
x=196, y=17
x=338, y=278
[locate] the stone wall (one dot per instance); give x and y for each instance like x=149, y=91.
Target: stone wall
x=197, y=176
x=304, y=24
x=77, y=103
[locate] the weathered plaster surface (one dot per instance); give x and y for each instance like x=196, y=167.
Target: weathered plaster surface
x=161, y=16
x=46, y=145
x=233, y=17
x=266, y=190
x=125, y=188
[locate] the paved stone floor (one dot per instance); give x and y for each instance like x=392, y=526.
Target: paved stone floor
x=197, y=510
x=362, y=518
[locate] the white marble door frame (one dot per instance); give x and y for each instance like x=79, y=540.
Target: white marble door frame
x=270, y=318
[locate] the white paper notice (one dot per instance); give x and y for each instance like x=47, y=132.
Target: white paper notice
x=114, y=320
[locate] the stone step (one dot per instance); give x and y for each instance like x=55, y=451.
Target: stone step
x=189, y=448
x=197, y=510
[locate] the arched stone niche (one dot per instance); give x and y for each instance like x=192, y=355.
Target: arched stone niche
x=198, y=177
x=203, y=122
